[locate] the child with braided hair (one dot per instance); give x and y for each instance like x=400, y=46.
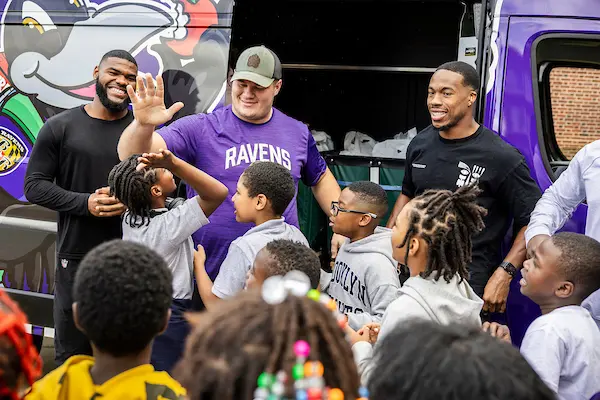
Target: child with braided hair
x=432, y=238
x=142, y=182
x=282, y=341
x=20, y=364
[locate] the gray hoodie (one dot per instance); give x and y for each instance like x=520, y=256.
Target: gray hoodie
x=592, y=304
x=364, y=279
x=437, y=301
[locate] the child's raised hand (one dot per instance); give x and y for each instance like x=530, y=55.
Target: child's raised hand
x=162, y=159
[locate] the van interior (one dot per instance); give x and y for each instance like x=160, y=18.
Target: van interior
x=356, y=65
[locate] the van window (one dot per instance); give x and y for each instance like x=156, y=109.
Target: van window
x=567, y=95
x=575, y=100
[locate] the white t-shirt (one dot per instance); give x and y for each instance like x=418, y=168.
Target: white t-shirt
x=243, y=251
x=563, y=347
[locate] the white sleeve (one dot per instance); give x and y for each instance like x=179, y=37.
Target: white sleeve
x=179, y=223
x=559, y=201
x=545, y=351
x=363, y=351
x=324, y=281
x=232, y=274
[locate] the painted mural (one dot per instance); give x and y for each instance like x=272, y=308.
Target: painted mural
x=48, y=50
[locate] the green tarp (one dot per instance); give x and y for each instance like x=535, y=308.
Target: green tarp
x=314, y=223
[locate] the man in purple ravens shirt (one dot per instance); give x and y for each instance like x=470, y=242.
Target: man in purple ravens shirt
x=225, y=142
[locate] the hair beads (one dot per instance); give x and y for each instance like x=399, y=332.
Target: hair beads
x=309, y=383
x=308, y=380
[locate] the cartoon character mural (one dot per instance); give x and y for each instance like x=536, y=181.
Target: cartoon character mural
x=48, y=52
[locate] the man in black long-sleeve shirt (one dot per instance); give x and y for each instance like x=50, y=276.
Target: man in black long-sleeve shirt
x=67, y=172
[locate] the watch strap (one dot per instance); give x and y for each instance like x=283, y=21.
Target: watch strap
x=509, y=268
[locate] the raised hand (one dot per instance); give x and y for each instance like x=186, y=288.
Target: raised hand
x=162, y=159
x=148, y=102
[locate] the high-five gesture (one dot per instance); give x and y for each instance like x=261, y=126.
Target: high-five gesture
x=149, y=102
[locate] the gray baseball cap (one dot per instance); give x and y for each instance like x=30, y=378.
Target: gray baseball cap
x=259, y=65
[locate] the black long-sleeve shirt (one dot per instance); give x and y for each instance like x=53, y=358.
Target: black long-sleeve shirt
x=71, y=158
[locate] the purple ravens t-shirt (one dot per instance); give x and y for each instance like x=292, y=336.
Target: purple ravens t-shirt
x=223, y=146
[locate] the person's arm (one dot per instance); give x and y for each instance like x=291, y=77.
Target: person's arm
x=211, y=192
x=558, y=202
x=41, y=188
x=202, y=279
x=395, y=314
x=325, y=188
x=138, y=138
x=520, y=192
x=149, y=112
x=232, y=273
x=408, y=190
x=398, y=206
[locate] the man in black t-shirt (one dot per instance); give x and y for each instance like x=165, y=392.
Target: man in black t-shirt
x=455, y=151
x=68, y=172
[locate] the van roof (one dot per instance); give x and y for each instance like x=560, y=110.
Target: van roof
x=547, y=8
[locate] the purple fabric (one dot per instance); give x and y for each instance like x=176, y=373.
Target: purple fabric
x=592, y=304
x=223, y=146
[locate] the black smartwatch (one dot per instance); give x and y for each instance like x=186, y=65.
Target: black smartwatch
x=509, y=268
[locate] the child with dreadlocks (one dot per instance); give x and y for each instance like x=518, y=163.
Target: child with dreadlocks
x=142, y=183
x=281, y=256
x=20, y=364
x=122, y=294
x=432, y=238
x=364, y=280
x=264, y=191
x=281, y=342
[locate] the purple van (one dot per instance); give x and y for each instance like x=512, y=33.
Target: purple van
x=358, y=66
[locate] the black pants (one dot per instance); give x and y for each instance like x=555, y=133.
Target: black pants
x=68, y=340
x=168, y=347
x=197, y=303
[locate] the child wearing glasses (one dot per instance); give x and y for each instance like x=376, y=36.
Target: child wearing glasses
x=263, y=193
x=364, y=280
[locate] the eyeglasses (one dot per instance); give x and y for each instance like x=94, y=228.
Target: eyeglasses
x=336, y=209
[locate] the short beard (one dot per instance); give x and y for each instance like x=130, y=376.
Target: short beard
x=452, y=123
x=110, y=105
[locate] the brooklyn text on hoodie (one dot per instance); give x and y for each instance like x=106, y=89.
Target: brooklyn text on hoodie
x=349, y=281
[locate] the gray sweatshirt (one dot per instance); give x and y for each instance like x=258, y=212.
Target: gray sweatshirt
x=364, y=279
x=437, y=301
x=243, y=250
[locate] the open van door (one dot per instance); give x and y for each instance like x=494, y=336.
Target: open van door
x=545, y=98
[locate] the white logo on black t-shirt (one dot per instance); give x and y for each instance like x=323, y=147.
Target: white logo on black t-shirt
x=468, y=175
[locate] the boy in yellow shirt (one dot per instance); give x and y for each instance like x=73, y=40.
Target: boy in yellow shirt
x=122, y=293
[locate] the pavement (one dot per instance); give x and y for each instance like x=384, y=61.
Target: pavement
x=47, y=354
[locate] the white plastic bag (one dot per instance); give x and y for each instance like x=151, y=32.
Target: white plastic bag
x=324, y=142
x=358, y=144
x=395, y=148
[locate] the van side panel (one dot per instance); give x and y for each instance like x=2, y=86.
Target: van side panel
x=48, y=51
x=519, y=126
